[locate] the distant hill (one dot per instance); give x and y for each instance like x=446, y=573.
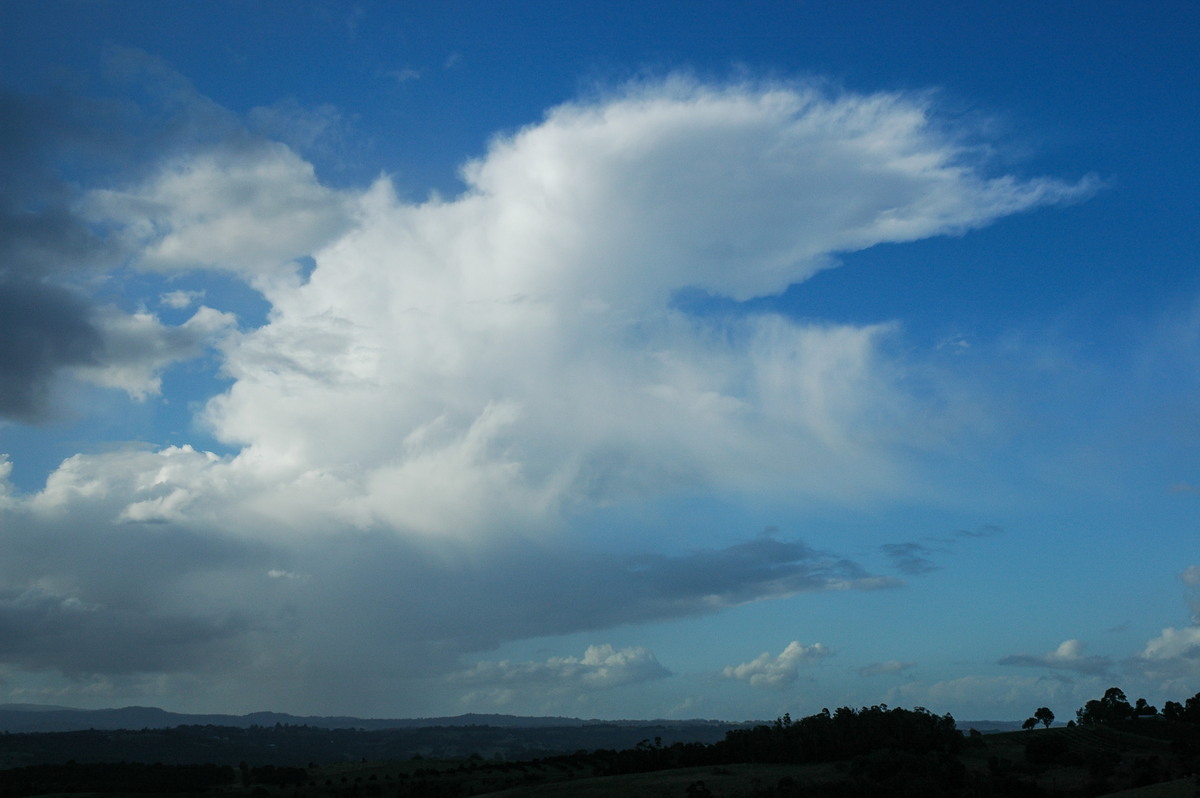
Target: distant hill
x=44, y=718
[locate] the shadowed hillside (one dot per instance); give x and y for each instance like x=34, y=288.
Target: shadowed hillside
x=876, y=751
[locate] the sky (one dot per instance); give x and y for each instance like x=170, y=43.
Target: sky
x=605, y=360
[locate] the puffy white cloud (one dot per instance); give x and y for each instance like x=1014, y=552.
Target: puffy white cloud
x=1174, y=643
x=249, y=210
x=127, y=485
x=778, y=671
x=1171, y=660
x=493, y=361
x=1068, y=656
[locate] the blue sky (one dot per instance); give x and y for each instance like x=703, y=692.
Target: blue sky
x=605, y=360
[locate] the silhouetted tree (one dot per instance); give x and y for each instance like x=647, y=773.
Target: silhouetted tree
x=1029, y=723
x=1112, y=708
x=1143, y=710
x=1044, y=715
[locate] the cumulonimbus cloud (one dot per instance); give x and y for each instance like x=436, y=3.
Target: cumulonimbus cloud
x=494, y=359
x=481, y=373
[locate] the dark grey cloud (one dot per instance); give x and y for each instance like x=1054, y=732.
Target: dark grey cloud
x=883, y=668
x=48, y=146
x=82, y=595
x=45, y=325
x=54, y=145
x=446, y=605
x=605, y=590
x=910, y=558
x=985, y=531
x=1088, y=665
x=40, y=630
x=43, y=328
x=916, y=559
x=407, y=608
x=1067, y=657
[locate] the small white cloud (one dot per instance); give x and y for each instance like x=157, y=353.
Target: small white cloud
x=779, y=671
x=601, y=667
x=404, y=75
x=881, y=668
x=955, y=344
x=180, y=299
x=277, y=573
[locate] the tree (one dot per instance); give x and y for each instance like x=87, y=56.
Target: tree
x=1029, y=723
x=1044, y=715
x=1112, y=708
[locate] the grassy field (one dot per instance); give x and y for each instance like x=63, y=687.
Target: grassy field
x=1140, y=760
x=1086, y=761
x=1188, y=787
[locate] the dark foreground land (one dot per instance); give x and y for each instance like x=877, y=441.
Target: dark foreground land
x=874, y=751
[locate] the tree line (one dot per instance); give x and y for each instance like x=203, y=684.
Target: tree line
x=1114, y=707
